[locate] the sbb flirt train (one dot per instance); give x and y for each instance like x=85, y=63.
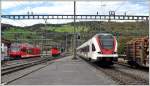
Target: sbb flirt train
x=100, y=48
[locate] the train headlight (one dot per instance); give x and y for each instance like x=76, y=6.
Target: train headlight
x=115, y=52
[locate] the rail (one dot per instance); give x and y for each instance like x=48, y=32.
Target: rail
x=14, y=68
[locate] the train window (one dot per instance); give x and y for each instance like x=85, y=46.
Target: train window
x=93, y=47
x=107, y=41
x=15, y=48
x=23, y=49
x=29, y=51
x=85, y=49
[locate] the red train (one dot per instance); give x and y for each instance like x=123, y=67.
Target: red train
x=18, y=51
x=55, y=52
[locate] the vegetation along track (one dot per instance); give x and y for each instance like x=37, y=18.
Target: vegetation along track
x=121, y=77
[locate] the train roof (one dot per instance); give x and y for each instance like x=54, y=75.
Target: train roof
x=92, y=37
x=102, y=34
x=21, y=45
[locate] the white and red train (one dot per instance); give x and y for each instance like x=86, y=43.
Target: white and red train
x=102, y=48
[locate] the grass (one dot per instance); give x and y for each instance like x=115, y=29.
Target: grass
x=69, y=28
x=15, y=33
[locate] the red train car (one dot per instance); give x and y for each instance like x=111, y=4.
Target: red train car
x=55, y=52
x=18, y=51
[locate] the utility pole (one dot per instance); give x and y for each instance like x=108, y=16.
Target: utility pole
x=66, y=43
x=45, y=43
x=74, y=42
x=125, y=13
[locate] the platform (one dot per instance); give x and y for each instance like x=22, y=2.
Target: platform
x=66, y=71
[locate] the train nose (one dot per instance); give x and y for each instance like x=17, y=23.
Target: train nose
x=108, y=59
x=107, y=51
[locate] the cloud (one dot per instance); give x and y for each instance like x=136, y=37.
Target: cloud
x=66, y=7
x=12, y=4
x=58, y=8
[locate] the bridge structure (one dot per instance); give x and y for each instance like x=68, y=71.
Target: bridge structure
x=93, y=17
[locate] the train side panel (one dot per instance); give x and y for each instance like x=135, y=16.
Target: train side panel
x=19, y=51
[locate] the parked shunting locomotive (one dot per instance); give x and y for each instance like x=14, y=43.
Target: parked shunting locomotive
x=102, y=48
x=55, y=52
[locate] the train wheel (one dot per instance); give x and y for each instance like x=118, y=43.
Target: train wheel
x=89, y=59
x=133, y=64
x=18, y=57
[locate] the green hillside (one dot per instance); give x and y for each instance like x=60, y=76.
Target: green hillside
x=125, y=31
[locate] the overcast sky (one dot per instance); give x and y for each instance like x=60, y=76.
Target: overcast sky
x=131, y=7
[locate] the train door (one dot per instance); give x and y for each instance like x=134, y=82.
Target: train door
x=93, y=49
x=2, y=52
x=90, y=51
x=86, y=50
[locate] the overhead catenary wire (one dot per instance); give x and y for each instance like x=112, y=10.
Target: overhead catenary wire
x=101, y=5
x=20, y=5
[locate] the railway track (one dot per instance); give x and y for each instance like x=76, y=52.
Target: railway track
x=146, y=69
x=9, y=63
x=123, y=63
x=121, y=77
x=13, y=68
x=31, y=67
x=24, y=63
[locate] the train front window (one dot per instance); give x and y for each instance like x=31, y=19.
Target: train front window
x=15, y=49
x=107, y=41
